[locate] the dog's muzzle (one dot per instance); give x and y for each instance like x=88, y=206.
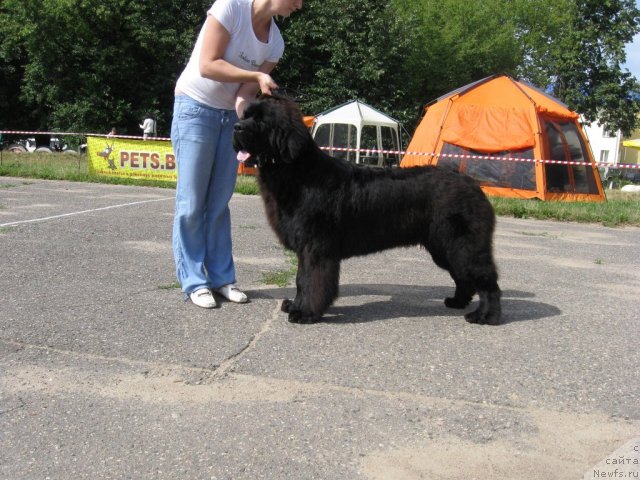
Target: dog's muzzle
x=243, y=156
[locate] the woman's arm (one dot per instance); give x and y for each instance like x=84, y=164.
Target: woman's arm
x=212, y=63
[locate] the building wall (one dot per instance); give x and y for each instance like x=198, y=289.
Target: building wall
x=605, y=145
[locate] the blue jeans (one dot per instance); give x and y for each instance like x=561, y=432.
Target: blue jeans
x=207, y=171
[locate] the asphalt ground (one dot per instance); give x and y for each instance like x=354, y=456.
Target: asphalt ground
x=106, y=373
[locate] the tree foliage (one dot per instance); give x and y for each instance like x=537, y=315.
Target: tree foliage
x=339, y=50
x=588, y=75
x=460, y=42
x=540, y=26
x=88, y=65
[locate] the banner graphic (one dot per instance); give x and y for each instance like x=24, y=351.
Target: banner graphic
x=125, y=157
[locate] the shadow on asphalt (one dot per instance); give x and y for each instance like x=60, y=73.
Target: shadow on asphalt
x=409, y=301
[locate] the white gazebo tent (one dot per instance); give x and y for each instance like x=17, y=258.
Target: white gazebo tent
x=350, y=128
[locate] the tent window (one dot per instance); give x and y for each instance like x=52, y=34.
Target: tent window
x=390, y=142
x=566, y=144
x=322, y=135
x=375, y=137
x=337, y=135
x=369, y=141
x=493, y=173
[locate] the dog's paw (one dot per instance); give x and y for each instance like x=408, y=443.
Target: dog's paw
x=286, y=305
x=297, y=316
x=455, y=302
x=486, y=319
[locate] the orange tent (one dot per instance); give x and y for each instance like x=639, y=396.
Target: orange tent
x=511, y=125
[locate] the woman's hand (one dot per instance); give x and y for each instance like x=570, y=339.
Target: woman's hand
x=263, y=83
x=266, y=83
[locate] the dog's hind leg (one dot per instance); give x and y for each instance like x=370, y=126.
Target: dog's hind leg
x=317, y=288
x=489, y=309
x=464, y=288
x=470, y=263
x=464, y=294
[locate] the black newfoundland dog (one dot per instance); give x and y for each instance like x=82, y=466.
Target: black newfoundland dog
x=325, y=209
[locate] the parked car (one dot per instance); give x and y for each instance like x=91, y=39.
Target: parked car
x=631, y=175
x=610, y=174
x=616, y=176
x=33, y=144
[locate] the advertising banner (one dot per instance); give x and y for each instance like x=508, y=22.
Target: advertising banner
x=133, y=158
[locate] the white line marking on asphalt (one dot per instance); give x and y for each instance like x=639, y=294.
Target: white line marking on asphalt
x=11, y=224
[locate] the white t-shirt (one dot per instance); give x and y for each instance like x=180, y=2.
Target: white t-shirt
x=149, y=126
x=244, y=51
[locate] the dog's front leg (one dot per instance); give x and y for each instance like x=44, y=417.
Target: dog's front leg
x=293, y=307
x=316, y=289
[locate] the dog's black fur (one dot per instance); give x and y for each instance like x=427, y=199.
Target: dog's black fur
x=325, y=209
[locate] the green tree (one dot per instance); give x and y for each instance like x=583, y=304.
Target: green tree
x=88, y=65
x=455, y=43
x=575, y=49
x=395, y=55
x=539, y=26
x=339, y=50
x=13, y=58
x=588, y=63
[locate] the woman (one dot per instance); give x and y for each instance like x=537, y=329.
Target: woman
x=236, y=50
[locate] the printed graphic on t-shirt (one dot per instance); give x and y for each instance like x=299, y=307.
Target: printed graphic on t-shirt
x=244, y=58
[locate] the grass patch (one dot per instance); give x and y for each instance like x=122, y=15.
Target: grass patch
x=49, y=166
x=621, y=208
x=170, y=286
x=3, y=230
x=247, y=185
x=74, y=168
x=283, y=277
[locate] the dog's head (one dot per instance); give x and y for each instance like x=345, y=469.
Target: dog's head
x=272, y=130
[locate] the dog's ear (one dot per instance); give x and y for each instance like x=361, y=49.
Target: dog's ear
x=289, y=141
x=297, y=140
